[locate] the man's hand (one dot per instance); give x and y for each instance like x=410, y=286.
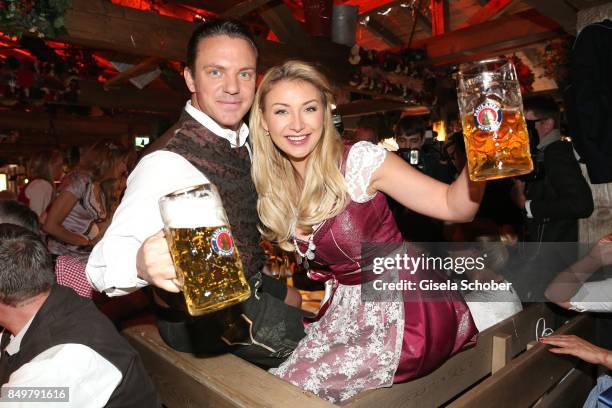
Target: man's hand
x=575, y=346
x=154, y=263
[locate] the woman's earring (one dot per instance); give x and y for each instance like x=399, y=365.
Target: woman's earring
x=268, y=133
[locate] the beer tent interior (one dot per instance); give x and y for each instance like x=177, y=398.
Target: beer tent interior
x=102, y=48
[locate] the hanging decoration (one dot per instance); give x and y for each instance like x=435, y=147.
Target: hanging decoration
x=556, y=61
x=525, y=75
x=32, y=83
x=403, y=75
x=42, y=18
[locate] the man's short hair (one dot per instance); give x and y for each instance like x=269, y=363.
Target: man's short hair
x=26, y=267
x=543, y=107
x=13, y=212
x=410, y=125
x=228, y=27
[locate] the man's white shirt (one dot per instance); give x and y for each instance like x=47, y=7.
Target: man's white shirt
x=112, y=264
x=90, y=378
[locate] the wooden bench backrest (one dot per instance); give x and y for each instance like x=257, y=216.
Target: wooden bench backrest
x=183, y=380
x=227, y=381
x=526, y=378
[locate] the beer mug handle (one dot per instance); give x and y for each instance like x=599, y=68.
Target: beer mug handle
x=179, y=281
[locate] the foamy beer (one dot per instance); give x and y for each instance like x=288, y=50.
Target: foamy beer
x=206, y=260
x=494, y=128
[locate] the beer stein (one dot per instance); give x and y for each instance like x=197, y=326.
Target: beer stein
x=207, y=262
x=494, y=128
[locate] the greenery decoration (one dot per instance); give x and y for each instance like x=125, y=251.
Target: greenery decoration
x=41, y=18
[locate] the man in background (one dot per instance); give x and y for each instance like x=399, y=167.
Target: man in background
x=54, y=338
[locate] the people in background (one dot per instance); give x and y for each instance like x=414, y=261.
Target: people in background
x=72, y=220
x=571, y=289
x=455, y=151
x=558, y=195
x=68, y=271
x=497, y=214
x=43, y=169
x=410, y=137
x=54, y=338
x=365, y=132
x=552, y=200
x=578, y=347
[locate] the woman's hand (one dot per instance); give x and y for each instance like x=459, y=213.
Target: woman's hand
x=578, y=347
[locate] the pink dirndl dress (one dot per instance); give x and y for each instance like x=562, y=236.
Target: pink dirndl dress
x=355, y=345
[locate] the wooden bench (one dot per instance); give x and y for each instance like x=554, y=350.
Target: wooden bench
x=486, y=375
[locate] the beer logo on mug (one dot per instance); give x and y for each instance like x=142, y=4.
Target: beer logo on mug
x=222, y=242
x=488, y=116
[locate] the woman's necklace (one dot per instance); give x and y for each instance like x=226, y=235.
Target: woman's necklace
x=308, y=255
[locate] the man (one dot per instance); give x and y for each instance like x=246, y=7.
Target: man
x=209, y=143
x=54, y=338
x=68, y=270
x=558, y=195
x=410, y=133
x=13, y=212
x=552, y=200
x=410, y=138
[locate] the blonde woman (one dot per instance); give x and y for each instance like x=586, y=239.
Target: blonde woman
x=321, y=199
x=44, y=168
x=72, y=220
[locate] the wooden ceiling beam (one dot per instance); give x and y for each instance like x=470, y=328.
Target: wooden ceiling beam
x=92, y=93
x=102, y=25
x=213, y=6
x=145, y=66
x=439, y=16
x=490, y=11
x=243, y=8
x=424, y=21
x=368, y=8
x=506, y=32
x=377, y=26
x=281, y=21
x=557, y=10
x=412, y=23
x=366, y=107
x=70, y=124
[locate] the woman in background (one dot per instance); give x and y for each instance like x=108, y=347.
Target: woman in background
x=72, y=221
x=44, y=168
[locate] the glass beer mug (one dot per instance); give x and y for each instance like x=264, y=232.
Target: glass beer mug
x=494, y=128
x=206, y=260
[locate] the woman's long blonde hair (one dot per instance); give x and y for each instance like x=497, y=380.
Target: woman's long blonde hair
x=286, y=202
x=39, y=165
x=99, y=158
